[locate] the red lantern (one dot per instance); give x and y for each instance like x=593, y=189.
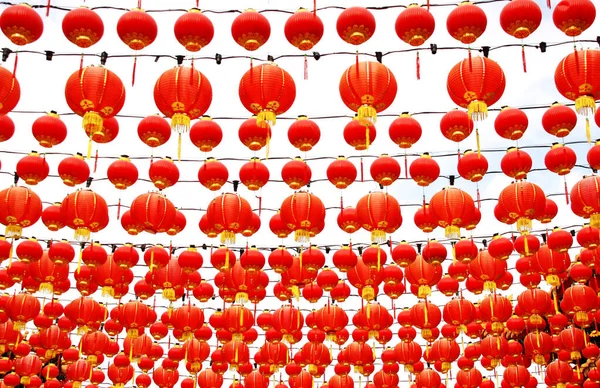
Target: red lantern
x=7, y=128
x=19, y=208
x=511, y=123
x=456, y=125
x=33, y=168
x=523, y=201
x=585, y=199
x=359, y=134
x=154, y=211
x=347, y=220
x=250, y=30
x=516, y=163
x=559, y=120
x=573, y=17
x=84, y=211
x=385, y=170
x=550, y=211
x=368, y=88
x=213, y=174
x=73, y=170
x=154, y=131
x=471, y=166
x=304, y=29
x=415, y=25
x=10, y=91
x=52, y=217
x=520, y=18
x=21, y=24
x=425, y=220
x=193, y=30
x=137, y=29
x=452, y=206
x=49, y=130
x=122, y=173
x=83, y=27
x=182, y=94
x=230, y=214
x=476, y=84
x=379, y=213
x=206, y=134
x=304, y=134
x=302, y=212
x=355, y=25
x=466, y=23
x=405, y=131
x=560, y=159
x=254, y=174
x=424, y=170
x=267, y=91
x=254, y=135
x=163, y=173
x=296, y=173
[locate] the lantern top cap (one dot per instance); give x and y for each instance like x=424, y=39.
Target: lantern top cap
x=206, y=118
x=413, y=5
x=464, y=3
x=196, y=10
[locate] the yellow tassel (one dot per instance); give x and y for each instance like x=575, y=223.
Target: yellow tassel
x=367, y=112
x=426, y=314
x=378, y=258
x=151, y=259
x=266, y=117
x=478, y=110
x=588, y=131
x=369, y=310
x=268, y=147
x=300, y=260
x=180, y=123
x=89, y=149
x=226, y=266
x=367, y=137
x=79, y=261
x=478, y=142
x=525, y=245
x=179, y=148
x=585, y=105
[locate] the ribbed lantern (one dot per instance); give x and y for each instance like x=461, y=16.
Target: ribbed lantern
x=452, y=207
x=194, y=30
x=379, y=213
x=137, y=29
x=85, y=212
x=83, y=27
x=230, y=214
x=251, y=29
x=19, y=208
x=10, y=91
x=304, y=29
x=154, y=211
x=466, y=23
x=21, y=24
x=573, y=17
x=302, y=212
x=585, y=199
x=355, y=25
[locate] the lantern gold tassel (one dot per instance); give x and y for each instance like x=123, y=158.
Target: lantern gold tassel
x=46, y=288
x=524, y=224
x=179, y=148
x=368, y=293
x=452, y=231
x=367, y=138
x=268, y=147
x=180, y=123
x=168, y=293
x=241, y=298
x=588, y=130
x=92, y=122
x=227, y=237
x=266, y=117
x=367, y=112
x=108, y=291
x=82, y=234
x=378, y=236
x=89, y=149
x=585, y=105
x=478, y=110
x=423, y=291
x=13, y=231
x=478, y=141
x=595, y=220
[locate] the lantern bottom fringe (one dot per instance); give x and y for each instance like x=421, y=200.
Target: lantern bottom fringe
x=489, y=285
x=241, y=297
x=92, y=359
x=575, y=355
x=195, y=367
x=426, y=333
x=561, y=385
x=367, y=112
x=581, y=316
x=180, y=122
x=478, y=110
x=13, y=231
x=82, y=234
x=288, y=338
x=93, y=124
x=524, y=225
x=378, y=236
x=18, y=325
x=296, y=292
x=585, y=105
x=76, y=384
x=497, y=327
x=373, y=334
x=168, y=293
x=237, y=337
x=423, y=291
x=595, y=220
x=539, y=359
x=81, y=330
x=227, y=237
x=408, y=368
x=302, y=236
x=266, y=118
x=330, y=337
x=108, y=291
x=368, y=293
x=46, y=288
x=553, y=280
x=452, y=231
x=445, y=367
x=133, y=333
x=312, y=369
x=50, y=354
x=536, y=319
x=186, y=336
x=25, y=380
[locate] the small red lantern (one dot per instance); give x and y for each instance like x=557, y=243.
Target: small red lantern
x=83, y=27
x=73, y=170
x=385, y=170
x=213, y=174
x=230, y=214
x=154, y=131
x=471, y=166
x=559, y=120
x=254, y=174
x=206, y=134
x=7, y=128
x=355, y=25
x=254, y=135
x=585, y=199
x=516, y=163
x=33, y=168
x=10, y=91
x=520, y=18
x=21, y=24
x=347, y=220
x=511, y=123
x=379, y=213
x=593, y=156
x=415, y=25
x=522, y=201
x=122, y=173
x=367, y=88
x=296, y=173
x=302, y=212
x=52, y=217
x=560, y=159
x=405, y=131
x=359, y=134
x=456, y=125
x=163, y=173
x=573, y=17
x=424, y=170
x=84, y=211
x=154, y=211
x=278, y=227
x=304, y=134
x=251, y=30
x=452, y=207
x=49, y=130
x=19, y=208
x=424, y=219
x=304, y=29
x=193, y=30
x=137, y=29
x=466, y=23
x=267, y=91
x=341, y=173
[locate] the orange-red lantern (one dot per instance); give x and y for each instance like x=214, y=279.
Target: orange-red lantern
x=520, y=18
x=83, y=27
x=341, y=173
x=213, y=174
x=254, y=135
x=304, y=134
x=254, y=174
x=385, y=170
x=267, y=91
x=302, y=212
x=559, y=120
x=10, y=91
x=476, y=84
x=585, y=199
x=516, y=163
x=19, y=208
x=466, y=23
x=52, y=217
x=424, y=170
x=405, y=131
x=84, y=211
x=414, y=25
x=21, y=24
x=182, y=94
x=359, y=134
x=206, y=134
x=163, y=173
x=456, y=125
x=296, y=173
x=122, y=173
x=522, y=201
x=511, y=123
x=379, y=213
x=33, y=168
x=573, y=17
x=560, y=159
x=154, y=131
x=230, y=214
x=49, y=130
x=304, y=29
x=193, y=30
x=73, y=170
x=154, y=211
x=452, y=207
x=471, y=166
x=137, y=29
x=355, y=25
x=367, y=88
x=251, y=30
x=593, y=156
x=7, y=128
x=425, y=220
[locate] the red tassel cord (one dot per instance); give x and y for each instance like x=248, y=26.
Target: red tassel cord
x=429, y=5
x=197, y=3
x=342, y=202
x=96, y=161
x=133, y=72
x=478, y=198
x=192, y=70
x=48, y=8
x=405, y=165
x=549, y=4
x=251, y=72
x=119, y=208
x=305, y=68
x=315, y=7
x=523, y=58
x=362, y=171
x=566, y=190
x=357, y=73
x=140, y=4
x=259, y=205
x=16, y=63
x=470, y=59
x=418, y=66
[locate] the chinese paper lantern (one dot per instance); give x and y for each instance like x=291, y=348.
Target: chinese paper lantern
x=523, y=201
x=21, y=24
x=476, y=86
x=7, y=128
x=560, y=159
x=385, y=170
x=267, y=91
x=456, y=125
x=584, y=199
x=414, y=25
x=83, y=27
x=154, y=131
x=359, y=134
x=230, y=214
x=84, y=211
x=49, y=130
x=19, y=208
x=451, y=206
x=559, y=120
x=254, y=174
x=520, y=18
x=593, y=156
x=516, y=163
x=405, y=131
x=424, y=170
x=296, y=173
x=73, y=170
x=137, y=29
x=213, y=174
x=206, y=134
x=573, y=17
x=379, y=213
x=367, y=88
x=304, y=29
x=94, y=103
x=301, y=212
x=471, y=166
x=154, y=211
x=466, y=23
x=193, y=30
x=577, y=77
x=182, y=94
x=33, y=168
x=122, y=173
x=341, y=173
x=251, y=30
x=254, y=135
x=52, y=217
x=304, y=134
x=10, y=91
x=425, y=220
x=163, y=173
x=355, y=25
x=511, y=123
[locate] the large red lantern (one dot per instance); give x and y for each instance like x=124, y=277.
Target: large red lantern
x=49, y=130
x=414, y=25
x=405, y=131
x=304, y=134
x=573, y=17
x=368, y=88
x=95, y=93
x=21, y=24
x=83, y=27
x=267, y=91
x=466, y=23
x=476, y=85
x=452, y=207
x=137, y=29
x=229, y=214
x=19, y=208
x=84, y=211
x=182, y=94
x=304, y=29
x=251, y=30
x=379, y=213
x=10, y=91
x=522, y=201
x=585, y=199
x=356, y=25
x=206, y=134
x=194, y=30
x=154, y=211
x=302, y=212
x=520, y=18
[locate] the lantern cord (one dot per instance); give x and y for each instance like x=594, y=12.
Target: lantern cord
x=429, y=5
x=267, y=147
x=259, y=204
x=96, y=161
x=179, y=148
x=16, y=63
x=357, y=73
x=192, y=71
x=89, y=149
x=133, y=72
x=470, y=59
x=566, y=189
x=81, y=64
x=48, y=8
x=197, y=3
x=362, y=176
x=341, y=201
x=549, y=4
x=119, y=207
x=251, y=72
x=405, y=165
x=478, y=142
x=588, y=130
x=315, y=7
x=478, y=197
x=523, y=58
x=305, y=68
x=418, y=67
